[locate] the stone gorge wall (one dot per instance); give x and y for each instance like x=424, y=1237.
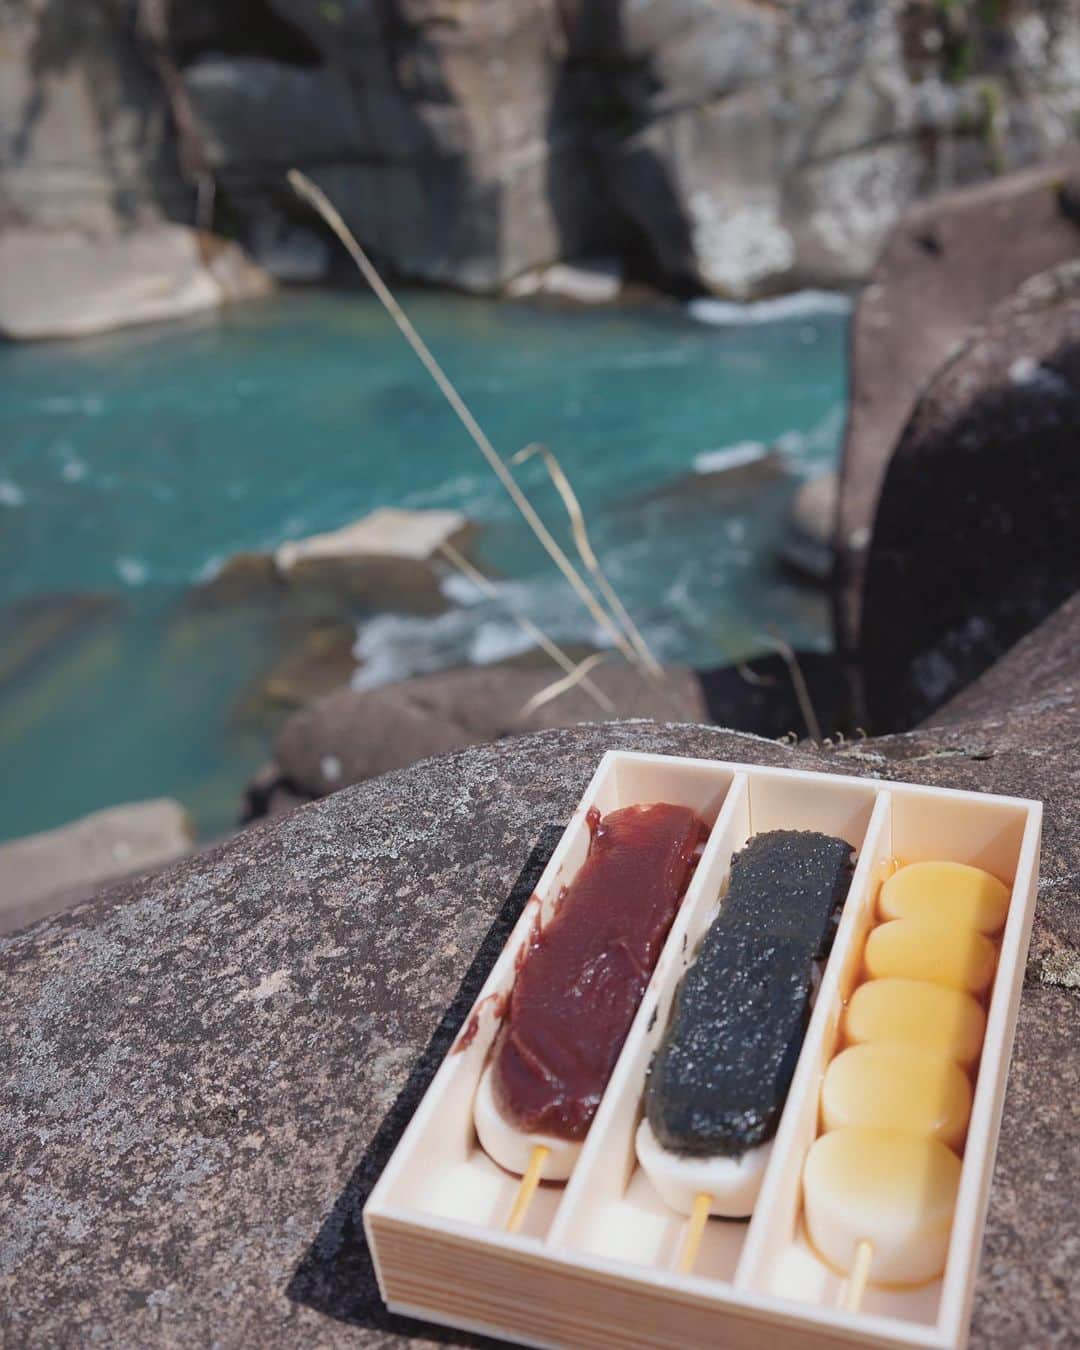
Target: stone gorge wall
x=734, y=144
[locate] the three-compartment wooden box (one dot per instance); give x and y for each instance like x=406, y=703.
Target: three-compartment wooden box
x=592, y=1264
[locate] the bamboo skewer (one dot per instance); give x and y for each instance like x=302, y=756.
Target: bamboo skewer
x=527, y=1188
x=695, y=1229
x=852, y=1296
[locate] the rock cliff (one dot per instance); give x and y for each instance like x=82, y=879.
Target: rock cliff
x=735, y=145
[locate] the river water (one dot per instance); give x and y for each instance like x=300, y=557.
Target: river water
x=133, y=464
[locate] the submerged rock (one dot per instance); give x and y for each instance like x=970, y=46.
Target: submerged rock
x=975, y=539
x=224, y=1056
x=37, y=629
x=67, y=284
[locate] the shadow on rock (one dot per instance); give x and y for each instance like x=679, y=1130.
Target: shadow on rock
x=336, y=1277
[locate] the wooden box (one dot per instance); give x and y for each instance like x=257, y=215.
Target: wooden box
x=592, y=1264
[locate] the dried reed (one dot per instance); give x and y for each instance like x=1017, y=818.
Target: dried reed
x=311, y=193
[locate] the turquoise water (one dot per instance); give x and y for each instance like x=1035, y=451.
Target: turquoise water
x=133, y=464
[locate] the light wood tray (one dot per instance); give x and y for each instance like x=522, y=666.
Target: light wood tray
x=592, y=1265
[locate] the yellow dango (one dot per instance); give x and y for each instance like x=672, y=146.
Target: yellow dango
x=946, y=892
x=916, y=1012
x=921, y=949
x=892, y=1190
x=899, y=1087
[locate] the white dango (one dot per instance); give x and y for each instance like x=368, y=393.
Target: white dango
x=730, y=1184
x=515, y=1149
x=884, y=1190
x=900, y=1087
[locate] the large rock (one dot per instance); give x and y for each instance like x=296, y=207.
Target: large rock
x=1042, y=667
x=68, y=284
x=975, y=539
x=944, y=266
x=205, y=1072
x=44, y=872
x=356, y=734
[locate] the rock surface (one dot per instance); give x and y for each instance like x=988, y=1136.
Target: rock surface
x=975, y=538
x=205, y=1073
x=943, y=268
x=39, y=872
x=67, y=284
x=738, y=145
x=1044, y=665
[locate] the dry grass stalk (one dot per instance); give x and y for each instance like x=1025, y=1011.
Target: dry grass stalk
x=585, y=551
x=557, y=687
x=306, y=189
x=798, y=683
x=561, y=659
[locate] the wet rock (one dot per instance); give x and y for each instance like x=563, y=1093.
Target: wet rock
x=975, y=539
x=726, y=473
x=387, y=560
x=242, y=579
x=390, y=559
x=943, y=268
x=67, y=284
x=224, y=1057
x=40, y=873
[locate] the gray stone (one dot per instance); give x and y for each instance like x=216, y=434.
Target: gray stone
x=206, y=1072
x=39, y=872
x=943, y=268
x=68, y=284
x=975, y=538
